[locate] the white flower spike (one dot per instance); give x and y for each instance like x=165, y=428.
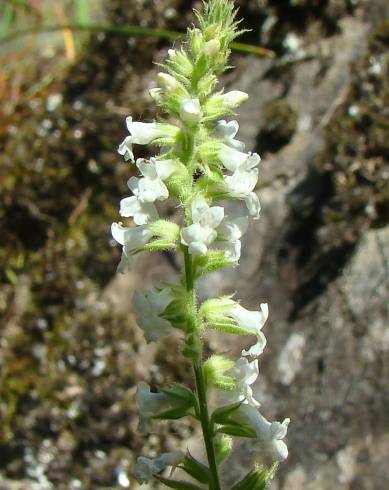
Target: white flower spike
x=199, y=165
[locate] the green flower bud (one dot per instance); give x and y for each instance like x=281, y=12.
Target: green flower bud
x=223, y=446
x=165, y=229
x=212, y=47
x=168, y=82
x=214, y=369
x=196, y=41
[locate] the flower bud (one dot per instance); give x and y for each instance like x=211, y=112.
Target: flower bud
x=234, y=98
x=196, y=41
x=190, y=110
x=155, y=94
x=214, y=369
x=212, y=47
x=223, y=447
x=167, y=81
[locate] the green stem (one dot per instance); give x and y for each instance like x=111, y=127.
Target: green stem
x=200, y=380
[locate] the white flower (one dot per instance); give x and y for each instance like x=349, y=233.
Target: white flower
x=235, y=160
x=147, y=190
x=151, y=187
x=241, y=183
x=142, y=212
x=143, y=134
x=234, y=98
x=190, y=110
x=147, y=308
x=253, y=205
x=252, y=321
x=155, y=94
x=228, y=131
x=131, y=239
x=269, y=434
x=150, y=405
x=199, y=235
x=229, y=316
x=145, y=468
x=229, y=233
x=125, y=149
x=245, y=374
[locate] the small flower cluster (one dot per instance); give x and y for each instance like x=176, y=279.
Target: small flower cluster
x=200, y=164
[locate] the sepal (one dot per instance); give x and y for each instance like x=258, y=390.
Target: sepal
x=180, y=392
x=212, y=261
x=193, y=346
x=165, y=229
x=195, y=469
x=258, y=479
x=175, y=312
x=214, y=369
x=182, y=401
x=159, y=245
x=222, y=415
x=237, y=430
x=176, y=484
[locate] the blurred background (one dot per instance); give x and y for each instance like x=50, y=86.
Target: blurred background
x=70, y=353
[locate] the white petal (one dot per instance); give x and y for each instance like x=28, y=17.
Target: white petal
x=199, y=207
x=231, y=158
x=125, y=149
x=125, y=263
x=142, y=212
x=144, y=133
x=233, y=229
x=249, y=320
x=257, y=349
x=147, y=168
x=197, y=248
x=152, y=190
x=145, y=468
x=231, y=250
x=118, y=232
x=133, y=185
x=253, y=205
x=212, y=217
x=147, y=307
x=241, y=183
x=165, y=168
x=227, y=129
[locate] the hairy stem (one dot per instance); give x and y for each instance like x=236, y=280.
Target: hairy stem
x=200, y=381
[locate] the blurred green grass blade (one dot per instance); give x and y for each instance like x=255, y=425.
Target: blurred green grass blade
x=6, y=18
x=81, y=12
x=127, y=30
